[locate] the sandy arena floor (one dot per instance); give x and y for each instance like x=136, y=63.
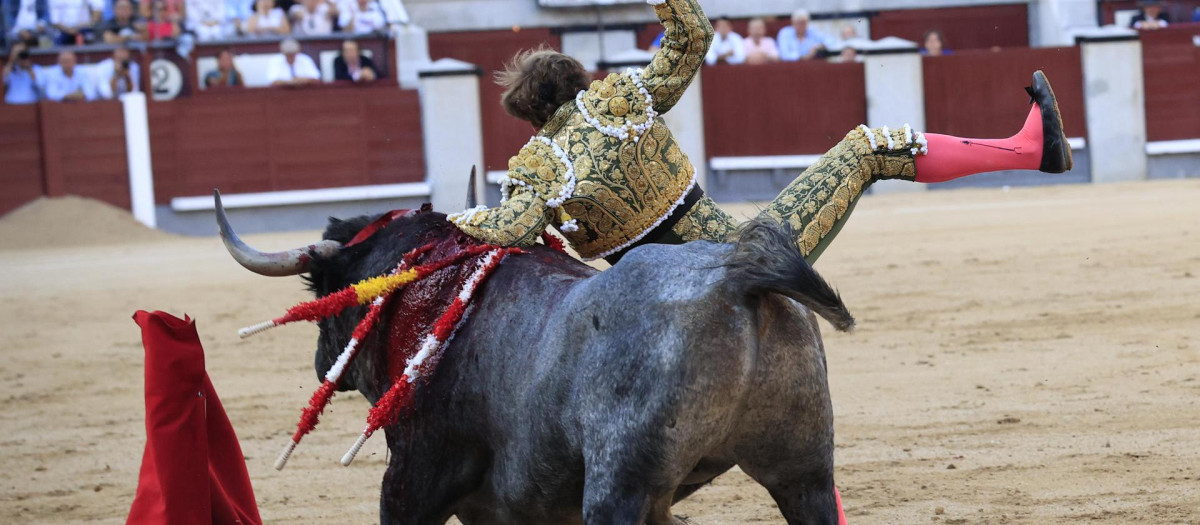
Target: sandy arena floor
x=1029, y=356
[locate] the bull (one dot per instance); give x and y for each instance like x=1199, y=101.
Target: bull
x=574, y=396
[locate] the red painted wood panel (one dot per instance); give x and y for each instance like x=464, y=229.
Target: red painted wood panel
x=981, y=94
x=273, y=140
x=781, y=109
x=1171, y=64
x=503, y=135
x=83, y=148
x=964, y=27
x=20, y=156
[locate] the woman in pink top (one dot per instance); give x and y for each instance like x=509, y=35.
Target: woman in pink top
x=760, y=48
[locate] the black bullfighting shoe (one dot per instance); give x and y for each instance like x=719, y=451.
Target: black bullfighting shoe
x=1056, y=151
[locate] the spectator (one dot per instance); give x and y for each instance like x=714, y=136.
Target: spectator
x=799, y=41
x=226, y=74
x=291, y=68
x=73, y=19
x=208, y=19
x=20, y=77
x=760, y=48
x=237, y=12
x=267, y=20
x=353, y=66
x=847, y=55
x=1152, y=16
x=657, y=43
x=314, y=17
x=727, y=46
x=23, y=20
x=123, y=26
x=65, y=82
x=363, y=17
x=160, y=25
x=934, y=44
x=118, y=75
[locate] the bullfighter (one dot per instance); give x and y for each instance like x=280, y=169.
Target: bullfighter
x=608, y=174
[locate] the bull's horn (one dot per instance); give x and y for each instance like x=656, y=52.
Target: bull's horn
x=472, y=196
x=278, y=264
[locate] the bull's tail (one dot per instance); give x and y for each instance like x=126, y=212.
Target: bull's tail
x=765, y=260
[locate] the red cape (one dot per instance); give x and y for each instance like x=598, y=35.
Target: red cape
x=193, y=470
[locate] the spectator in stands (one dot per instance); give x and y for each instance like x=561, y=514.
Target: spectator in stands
x=800, y=41
x=73, y=19
x=23, y=21
x=351, y=65
x=1152, y=16
x=314, y=17
x=934, y=44
x=291, y=68
x=363, y=17
x=267, y=20
x=760, y=48
x=237, y=12
x=20, y=77
x=117, y=75
x=160, y=25
x=208, y=19
x=727, y=47
x=123, y=27
x=226, y=74
x=66, y=82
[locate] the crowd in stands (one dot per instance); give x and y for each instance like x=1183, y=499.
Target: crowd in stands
x=126, y=24
x=47, y=23
x=795, y=42
x=67, y=81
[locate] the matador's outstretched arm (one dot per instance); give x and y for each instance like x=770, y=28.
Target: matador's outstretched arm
x=684, y=45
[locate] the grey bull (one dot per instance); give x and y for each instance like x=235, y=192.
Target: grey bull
x=576, y=396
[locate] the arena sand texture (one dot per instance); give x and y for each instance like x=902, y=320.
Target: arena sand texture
x=1030, y=356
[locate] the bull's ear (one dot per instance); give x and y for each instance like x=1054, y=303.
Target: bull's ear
x=427, y=207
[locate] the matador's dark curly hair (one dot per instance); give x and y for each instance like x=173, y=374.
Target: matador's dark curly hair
x=539, y=81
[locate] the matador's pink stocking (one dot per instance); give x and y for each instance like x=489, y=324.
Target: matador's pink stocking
x=952, y=157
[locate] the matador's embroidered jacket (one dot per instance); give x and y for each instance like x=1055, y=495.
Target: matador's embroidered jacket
x=604, y=169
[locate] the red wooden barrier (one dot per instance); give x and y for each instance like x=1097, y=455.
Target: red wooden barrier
x=275, y=139
x=964, y=27
x=781, y=109
x=980, y=94
x=20, y=156
x=1171, y=64
x=503, y=135
x=83, y=151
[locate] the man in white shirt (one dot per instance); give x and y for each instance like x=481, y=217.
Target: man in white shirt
x=362, y=17
x=71, y=18
x=117, y=75
x=208, y=19
x=291, y=68
x=313, y=17
x=727, y=46
x=66, y=82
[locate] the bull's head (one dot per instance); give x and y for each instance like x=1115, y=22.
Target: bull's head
x=333, y=264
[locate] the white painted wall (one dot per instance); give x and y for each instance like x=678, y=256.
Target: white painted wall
x=450, y=116
x=1115, y=104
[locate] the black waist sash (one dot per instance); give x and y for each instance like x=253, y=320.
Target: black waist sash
x=656, y=235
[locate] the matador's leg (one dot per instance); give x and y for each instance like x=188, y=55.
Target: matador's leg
x=817, y=204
